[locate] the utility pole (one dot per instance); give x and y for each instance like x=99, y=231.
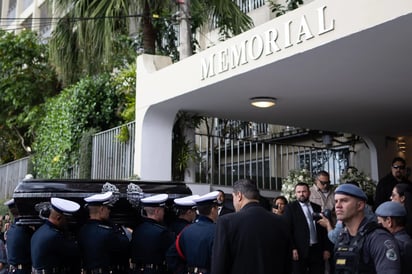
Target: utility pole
x=185, y=35
x=185, y=50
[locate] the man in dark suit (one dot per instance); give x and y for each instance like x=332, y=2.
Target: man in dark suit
x=252, y=240
x=310, y=246
x=223, y=209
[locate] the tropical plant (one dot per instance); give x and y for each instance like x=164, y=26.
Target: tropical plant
x=91, y=37
x=280, y=9
x=91, y=103
x=26, y=81
x=84, y=40
x=183, y=150
x=295, y=176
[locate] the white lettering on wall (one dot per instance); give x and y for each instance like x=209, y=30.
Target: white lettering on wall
x=321, y=22
x=255, y=48
x=267, y=43
x=270, y=41
x=304, y=30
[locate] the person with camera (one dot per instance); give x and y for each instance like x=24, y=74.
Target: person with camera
x=321, y=192
x=310, y=246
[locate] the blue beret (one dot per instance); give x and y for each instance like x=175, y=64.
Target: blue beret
x=351, y=190
x=391, y=209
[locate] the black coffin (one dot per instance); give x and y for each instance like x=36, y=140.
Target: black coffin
x=30, y=195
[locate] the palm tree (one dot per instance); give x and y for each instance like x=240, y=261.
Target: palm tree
x=226, y=15
x=86, y=40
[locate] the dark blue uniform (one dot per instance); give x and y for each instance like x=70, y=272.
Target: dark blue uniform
x=374, y=252
x=104, y=247
x=405, y=249
x=18, y=248
x=52, y=251
x=150, y=241
x=195, y=242
x=178, y=225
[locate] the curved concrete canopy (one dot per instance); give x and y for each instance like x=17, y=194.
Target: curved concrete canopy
x=359, y=83
x=342, y=65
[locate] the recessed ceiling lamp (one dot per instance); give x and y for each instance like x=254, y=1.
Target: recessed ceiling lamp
x=263, y=102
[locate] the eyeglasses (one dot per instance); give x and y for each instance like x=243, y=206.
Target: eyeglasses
x=398, y=167
x=324, y=182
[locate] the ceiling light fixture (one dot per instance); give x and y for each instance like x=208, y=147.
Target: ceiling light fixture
x=263, y=102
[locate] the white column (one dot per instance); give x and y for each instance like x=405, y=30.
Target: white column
x=154, y=122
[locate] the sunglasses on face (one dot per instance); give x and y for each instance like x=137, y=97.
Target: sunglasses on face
x=398, y=167
x=324, y=182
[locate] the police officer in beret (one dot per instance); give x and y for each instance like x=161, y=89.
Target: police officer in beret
x=363, y=246
x=185, y=209
x=151, y=239
x=105, y=248
x=392, y=216
x=194, y=244
x=51, y=250
x=18, y=243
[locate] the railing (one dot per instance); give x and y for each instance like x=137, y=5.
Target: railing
x=248, y=5
x=10, y=175
x=224, y=160
x=111, y=157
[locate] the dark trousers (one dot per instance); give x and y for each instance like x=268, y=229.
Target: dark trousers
x=312, y=264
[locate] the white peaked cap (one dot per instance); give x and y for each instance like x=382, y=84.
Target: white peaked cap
x=64, y=206
x=155, y=200
x=209, y=198
x=186, y=201
x=100, y=199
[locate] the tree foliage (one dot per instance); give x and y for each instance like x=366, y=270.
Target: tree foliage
x=85, y=41
x=93, y=36
x=280, y=9
x=90, y=104
x=26, y=81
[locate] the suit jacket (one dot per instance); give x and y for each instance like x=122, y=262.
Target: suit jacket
x=252, y=240
x=299, y=229
x=225, y=210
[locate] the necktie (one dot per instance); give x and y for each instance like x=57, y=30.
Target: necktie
x=311, y=224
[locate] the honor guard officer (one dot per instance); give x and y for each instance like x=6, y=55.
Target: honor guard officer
x=18, y=243
x=104, y=246
x=194, y=244
x=151, y=239
x=186, y=213
x=392, y=216
x=51, y=250
x=363, y=246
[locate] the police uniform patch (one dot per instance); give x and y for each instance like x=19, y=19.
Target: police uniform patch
x=390, y=252
x=391, y=255
x=389, y=244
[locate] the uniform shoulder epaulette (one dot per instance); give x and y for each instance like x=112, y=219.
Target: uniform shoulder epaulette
x=105, y=226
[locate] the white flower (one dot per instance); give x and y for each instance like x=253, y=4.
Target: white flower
x=294, y=177
x=352, y=174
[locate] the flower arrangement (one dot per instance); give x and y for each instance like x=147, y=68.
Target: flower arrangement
x=352, y=174
x=295, y=176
